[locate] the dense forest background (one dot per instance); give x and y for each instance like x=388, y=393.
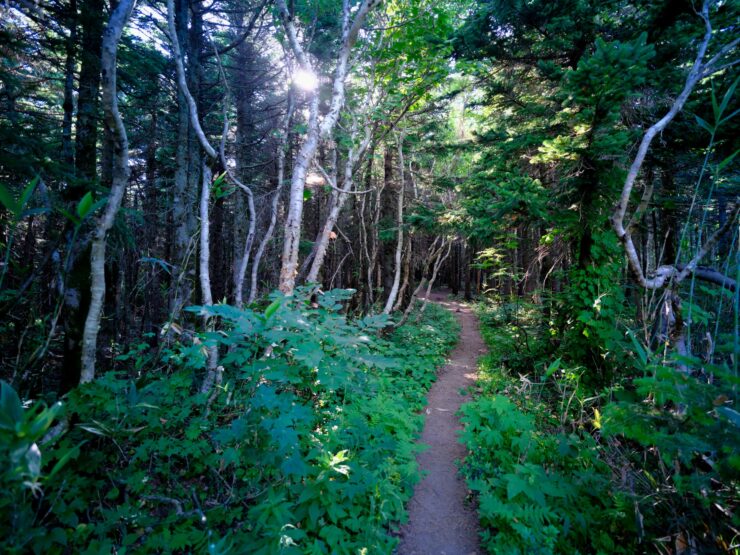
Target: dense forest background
x=220, y=220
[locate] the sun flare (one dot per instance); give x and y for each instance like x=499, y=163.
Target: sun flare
x=306, y=80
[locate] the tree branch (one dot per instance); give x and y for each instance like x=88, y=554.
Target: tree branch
x=182, y=82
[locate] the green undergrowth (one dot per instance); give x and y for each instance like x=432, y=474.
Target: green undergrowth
x=639, y=454
x=307, y=446
x=535, y=468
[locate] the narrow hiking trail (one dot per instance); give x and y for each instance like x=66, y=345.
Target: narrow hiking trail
x=440, y=520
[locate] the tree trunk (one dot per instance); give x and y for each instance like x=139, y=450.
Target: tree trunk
x=316, y=131
x=120, y=177
x=69, y=86
x=399, y=224
x=274, y=203
x=204, y=274
x=77, y=287
x=182, y=289
x=292, y=233
x=92, y=22
x=339, y=197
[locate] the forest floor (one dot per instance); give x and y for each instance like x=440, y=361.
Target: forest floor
x=441, y=521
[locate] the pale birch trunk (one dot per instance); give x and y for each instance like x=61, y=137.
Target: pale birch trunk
x=292, y=235
x=204, y=275
x=120, y=177
x=399, y=242
x=433, y=253
x=205, y=197
x=340, y=196
x=373, y=256
x=275, y=198
x=241, y=270
x=244, y=262
x=669, y=273
x=437, y=266
x=406, y=274
x=316, y=131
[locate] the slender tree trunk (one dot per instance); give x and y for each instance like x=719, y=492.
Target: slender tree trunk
x=120, y=177
x=244, y=260
x=69, y=86
x=469, y=272
x=219, y=269
x=91, y=22
x=399, y=224
x=437, y=265
x=77, y=287
x=292, y=233
x=153, y=299
x=339, y=197
x=184, y=230
x=204, y=275
x=316, y=131
x=433, y=254
x=406, y=275
x=373, y=258
x=274, y=203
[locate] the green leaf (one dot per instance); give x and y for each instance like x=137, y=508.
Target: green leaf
x=27, y=192
x=727, y=161
x=732, y=115
x=71, y=217
x=728, y=96
x=639, y=349
x=272, y=309
x=8, y=201
x=70, y=454
x=85, y=205
x=554, y=367
x=704, y=124
x=11, y=408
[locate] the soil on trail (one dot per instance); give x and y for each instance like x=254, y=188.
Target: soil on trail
x=441, y=522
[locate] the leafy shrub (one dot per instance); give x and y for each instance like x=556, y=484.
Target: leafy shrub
x=651, y=462
x=306, y=446
x=679, y=437
x=539, y=491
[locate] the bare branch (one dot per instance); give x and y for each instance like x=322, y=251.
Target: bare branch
x=330, y=183
x=664, y=273
x=691, y=266
x=182, y=82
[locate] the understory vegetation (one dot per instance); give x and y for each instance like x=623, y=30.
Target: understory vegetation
x=647, y=460
x=190, y=190
x=307, y=445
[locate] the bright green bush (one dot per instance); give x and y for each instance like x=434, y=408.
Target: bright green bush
x=541, y=484
x=539, y=491
x=652, y=461
x=307, y=446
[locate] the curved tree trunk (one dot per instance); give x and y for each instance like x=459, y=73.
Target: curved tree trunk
x=316, y=131
x=205, y=275
x=399, y=222
x=275, y=197
x=121, y=174
x=244, y=261
x=339, y=197
x=406, y=275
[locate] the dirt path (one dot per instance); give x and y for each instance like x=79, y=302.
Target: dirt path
x=440, y=521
